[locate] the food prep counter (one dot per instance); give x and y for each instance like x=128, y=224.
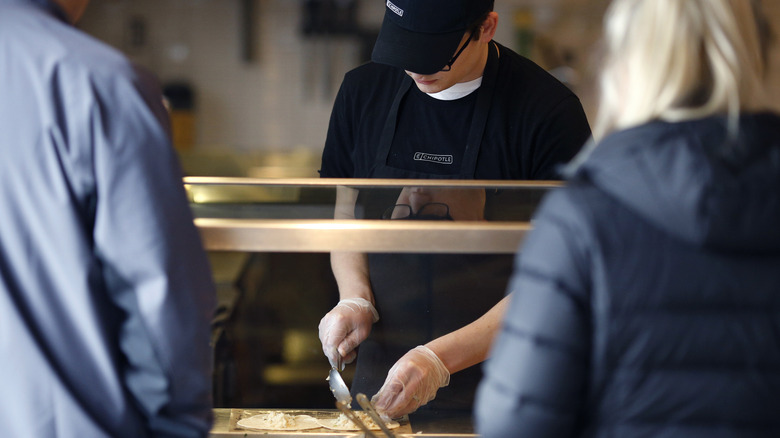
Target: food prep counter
x=248, y=225
x=225, y=426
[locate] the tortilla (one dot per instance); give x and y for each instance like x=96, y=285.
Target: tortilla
x=278, y=421
x=344, y=423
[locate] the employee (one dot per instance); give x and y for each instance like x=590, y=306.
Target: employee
x=441, y=100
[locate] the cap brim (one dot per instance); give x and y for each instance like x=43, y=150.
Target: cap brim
x=422, y=53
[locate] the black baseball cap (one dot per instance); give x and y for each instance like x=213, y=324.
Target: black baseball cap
x=422, y=35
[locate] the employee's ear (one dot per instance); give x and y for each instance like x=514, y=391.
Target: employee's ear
x=488, y=27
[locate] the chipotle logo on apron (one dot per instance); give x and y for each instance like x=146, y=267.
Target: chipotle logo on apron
x=433, y=158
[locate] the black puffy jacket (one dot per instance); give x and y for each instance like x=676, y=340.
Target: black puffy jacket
x=646, y=301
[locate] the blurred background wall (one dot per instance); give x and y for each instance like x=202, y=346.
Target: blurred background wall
x=263, y=73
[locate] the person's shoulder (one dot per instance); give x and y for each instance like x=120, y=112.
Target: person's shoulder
x=575, y=205
x=515, y=62
x=40, y=36
x=537, y=97
x=99, y=60
x=370, y=84
x=373, y=75
x=71, y=56
x=372, y=69
x=527, y=77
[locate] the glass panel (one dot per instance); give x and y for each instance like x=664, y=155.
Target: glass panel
x=244, y=198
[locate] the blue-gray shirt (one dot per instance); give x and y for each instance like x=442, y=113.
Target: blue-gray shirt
x=105, y=291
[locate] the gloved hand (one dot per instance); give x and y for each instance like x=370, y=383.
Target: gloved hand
x=411, y=382
x=344, y=328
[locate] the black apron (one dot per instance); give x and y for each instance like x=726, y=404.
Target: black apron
x=420, y=297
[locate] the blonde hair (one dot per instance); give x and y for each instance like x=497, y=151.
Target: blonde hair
x=676, y=60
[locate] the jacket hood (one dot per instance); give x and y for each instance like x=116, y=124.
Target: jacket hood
x=696, y=181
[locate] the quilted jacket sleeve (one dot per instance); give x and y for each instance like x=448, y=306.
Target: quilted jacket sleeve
x=535, y=378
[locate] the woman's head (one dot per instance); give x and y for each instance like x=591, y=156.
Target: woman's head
x=681, y=59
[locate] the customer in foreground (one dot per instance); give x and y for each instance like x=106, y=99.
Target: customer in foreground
x=647, y=297
x=106, y=294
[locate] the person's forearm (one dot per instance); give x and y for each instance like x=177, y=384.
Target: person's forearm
x=350, y=268
x=471, y=344
x=351, y=272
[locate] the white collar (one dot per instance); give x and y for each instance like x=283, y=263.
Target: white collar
x=458, y=90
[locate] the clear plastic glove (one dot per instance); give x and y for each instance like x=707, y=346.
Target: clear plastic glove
x=411, y=383
x=344, y=328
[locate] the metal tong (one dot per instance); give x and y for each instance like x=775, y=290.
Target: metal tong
x=355, y=419
x=365, y=403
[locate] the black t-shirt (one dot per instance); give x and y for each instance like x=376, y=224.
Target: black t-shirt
x=534, y=124
x=437, y=148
